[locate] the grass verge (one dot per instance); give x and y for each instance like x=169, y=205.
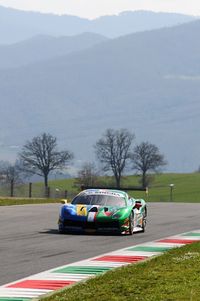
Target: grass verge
x=23, y=201
x=173, y=276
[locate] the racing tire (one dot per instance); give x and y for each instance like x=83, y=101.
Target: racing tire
x=145, y=212
x=143, y=224
x=131, y=223
x=61, y=230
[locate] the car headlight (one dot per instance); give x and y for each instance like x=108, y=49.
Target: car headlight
x=126, y=223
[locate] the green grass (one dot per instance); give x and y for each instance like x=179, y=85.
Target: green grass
x=186, y=189
x=64, y=184
x=173, y=276
x=23, y=201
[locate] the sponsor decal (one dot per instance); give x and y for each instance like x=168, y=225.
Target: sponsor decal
x=91, y=216
x=104, y=192
x=108, y=213
x=81, y=210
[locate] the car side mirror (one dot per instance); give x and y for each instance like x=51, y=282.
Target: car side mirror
x=138, y=206
x=64, y=201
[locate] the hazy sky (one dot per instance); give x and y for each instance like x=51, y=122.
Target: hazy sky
x=95, y=8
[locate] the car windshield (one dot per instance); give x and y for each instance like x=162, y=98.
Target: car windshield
x=100, y=200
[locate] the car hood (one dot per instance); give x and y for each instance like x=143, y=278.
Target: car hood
x=91, y=212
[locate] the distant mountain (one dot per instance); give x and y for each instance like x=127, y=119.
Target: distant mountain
x=136, y=21
x=45, y=47
x=147, y=82
x=19, y=25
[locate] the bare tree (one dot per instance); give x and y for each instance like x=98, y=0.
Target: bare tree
x=113, y=151
x=87, y=175
x=40, y=156
x=146, y=157
x=10, y=172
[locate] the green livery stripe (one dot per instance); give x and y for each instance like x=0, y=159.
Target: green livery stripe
x=14, y=299
x=149, y=249
x=82, y=270
x=191, y=234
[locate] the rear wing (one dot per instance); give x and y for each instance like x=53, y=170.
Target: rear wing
x=130, y=188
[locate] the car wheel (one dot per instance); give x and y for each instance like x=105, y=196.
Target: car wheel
x=60, y=229
x=145, y=211
x=131, y=223
x=143, y=224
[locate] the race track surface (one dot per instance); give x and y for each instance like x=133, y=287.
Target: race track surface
x=30, y=243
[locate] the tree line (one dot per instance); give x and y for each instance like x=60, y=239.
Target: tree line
x=114, y=151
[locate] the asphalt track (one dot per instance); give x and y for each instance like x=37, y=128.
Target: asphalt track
x=30, y=243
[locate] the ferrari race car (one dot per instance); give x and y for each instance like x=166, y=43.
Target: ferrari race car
x=103, y=210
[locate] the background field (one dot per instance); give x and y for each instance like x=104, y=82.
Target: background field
x=186, y=188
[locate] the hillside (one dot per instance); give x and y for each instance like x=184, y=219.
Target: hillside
x=186, y=188
x=45, y=47
x=19, y=25
x=153, y=91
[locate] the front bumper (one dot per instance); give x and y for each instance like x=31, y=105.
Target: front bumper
x=70, y=225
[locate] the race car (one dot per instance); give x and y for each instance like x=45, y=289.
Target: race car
x=103, y=210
